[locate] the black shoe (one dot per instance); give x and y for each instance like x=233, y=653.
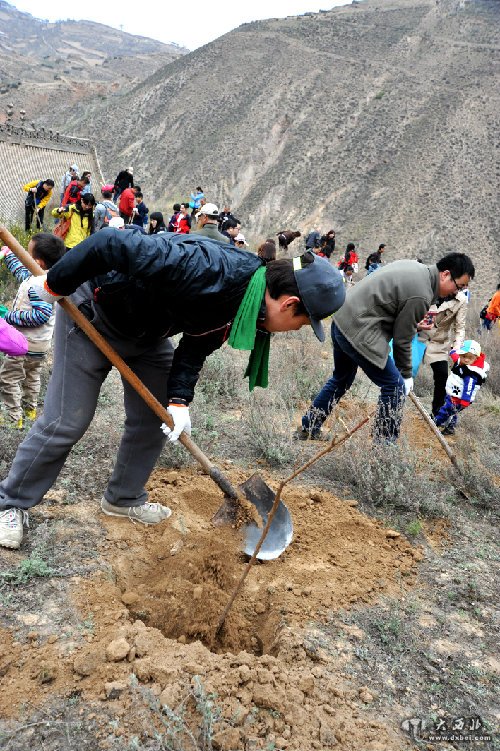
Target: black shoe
x=306, y=435
x=449, y=430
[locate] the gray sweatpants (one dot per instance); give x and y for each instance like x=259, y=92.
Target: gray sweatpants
x=78, y=374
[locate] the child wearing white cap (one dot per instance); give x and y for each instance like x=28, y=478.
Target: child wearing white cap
x=468, y=373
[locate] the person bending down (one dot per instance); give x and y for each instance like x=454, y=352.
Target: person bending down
x=384, y=306
x=138, y=291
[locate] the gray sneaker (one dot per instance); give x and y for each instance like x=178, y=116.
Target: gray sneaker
x=11, y=527
x=148, y=513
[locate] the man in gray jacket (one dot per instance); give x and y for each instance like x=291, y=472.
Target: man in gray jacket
x=207, y=223
x=384, y=306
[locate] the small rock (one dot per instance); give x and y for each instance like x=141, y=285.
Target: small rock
x=194, y=668
x=176, y=547
x=182, y=639
x=260, y=608
x=52, y=639
x=365, y=696
x=227, y=738
x=306, y=684
x=117, y=650
x=316, y=497
x=327, y=736
x=114, y=689
x=130, y=598
x=197, y=593
x=264, y=676
x=352, y=503
x=392, y=534
x=87, y=663
x=169, y=697
x=46, y=673
x=33, y=635
x=245, y=674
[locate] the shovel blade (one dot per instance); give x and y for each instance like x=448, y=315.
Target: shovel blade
x=280, y=532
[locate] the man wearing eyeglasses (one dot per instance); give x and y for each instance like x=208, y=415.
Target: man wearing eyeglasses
x=384, y=306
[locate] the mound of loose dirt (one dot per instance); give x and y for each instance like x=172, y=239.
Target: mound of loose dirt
x=157, y=617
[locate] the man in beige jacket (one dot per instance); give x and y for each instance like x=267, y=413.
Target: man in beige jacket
x=446, y=332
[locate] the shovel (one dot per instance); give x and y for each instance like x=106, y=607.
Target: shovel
x=254, y=490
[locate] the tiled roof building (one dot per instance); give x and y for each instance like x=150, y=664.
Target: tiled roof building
x=29, y=154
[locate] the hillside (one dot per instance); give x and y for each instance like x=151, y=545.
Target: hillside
x=377, y=118
x=42, y=63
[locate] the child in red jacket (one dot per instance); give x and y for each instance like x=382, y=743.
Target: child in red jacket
x=468, y=373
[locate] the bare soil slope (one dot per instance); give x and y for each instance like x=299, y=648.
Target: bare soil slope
x=378, y=118
x=163, y=595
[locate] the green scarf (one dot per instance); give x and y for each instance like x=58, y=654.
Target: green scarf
x=245, y=334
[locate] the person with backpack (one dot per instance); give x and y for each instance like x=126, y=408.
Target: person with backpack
x=491, y=311
x=71, y=174
x=39, y=194
x=374, y=260
x=350, y=258
x=81, y=220
x=74, y=190
x=105, y=210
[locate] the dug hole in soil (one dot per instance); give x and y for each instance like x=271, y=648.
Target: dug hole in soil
x=157, y=614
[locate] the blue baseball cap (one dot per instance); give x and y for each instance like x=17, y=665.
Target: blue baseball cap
x=321, y=289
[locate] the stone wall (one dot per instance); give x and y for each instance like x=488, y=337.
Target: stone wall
x=28, y=154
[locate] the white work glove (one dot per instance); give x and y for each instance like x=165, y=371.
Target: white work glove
x=182, y=421
x=39, y=285
x=408, y=385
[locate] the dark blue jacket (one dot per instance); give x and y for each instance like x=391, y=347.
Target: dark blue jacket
x=141, y=217
x=149, y=286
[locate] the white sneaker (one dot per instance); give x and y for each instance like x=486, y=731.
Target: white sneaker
x=11, y=527
x=147, y=513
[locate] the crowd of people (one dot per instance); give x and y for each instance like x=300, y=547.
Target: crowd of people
x=141, y=277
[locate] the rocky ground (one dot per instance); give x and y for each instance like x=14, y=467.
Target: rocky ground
x=381, y=611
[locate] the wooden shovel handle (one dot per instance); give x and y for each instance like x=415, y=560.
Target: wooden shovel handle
x=432, y=425
x=128, y=374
